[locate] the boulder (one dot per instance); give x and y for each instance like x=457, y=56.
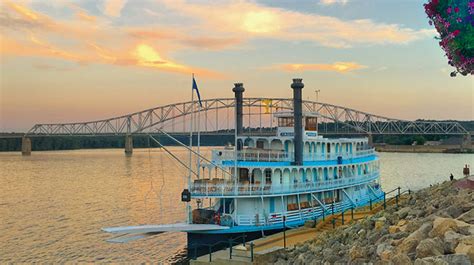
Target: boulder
x=384, y=251
x=401, y=259
x=410, y=243
x=429, y=247
x=451, y=240
x=380, y=223
x=458, y=259
x=441, y=225
x=393, y=229
x=466, y=246
x=467, y=217
x=412, y=226
x=403, y=212
x=356, y=252
x=454, y=211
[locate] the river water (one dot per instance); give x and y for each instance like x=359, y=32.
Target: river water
x=54, y=204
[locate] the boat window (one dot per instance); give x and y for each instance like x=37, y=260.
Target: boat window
x=244, y=174
x=260, y=144
x=285, y=122
x=268, y=176
x=311, y=124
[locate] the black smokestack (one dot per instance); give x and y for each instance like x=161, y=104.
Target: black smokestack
x=239, y=95
x=297, y=86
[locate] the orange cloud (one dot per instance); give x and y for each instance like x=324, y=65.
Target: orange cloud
x=340, y=67
x=146, y=56
x=22, y=10
x=78, y=42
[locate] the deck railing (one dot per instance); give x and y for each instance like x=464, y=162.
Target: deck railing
x=304, y=214
x=281, y=156
x=230, y=189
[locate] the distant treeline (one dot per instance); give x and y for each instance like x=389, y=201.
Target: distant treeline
x=143, y=141
x=96, y=142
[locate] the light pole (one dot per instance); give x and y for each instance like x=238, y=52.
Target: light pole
x=317, y=94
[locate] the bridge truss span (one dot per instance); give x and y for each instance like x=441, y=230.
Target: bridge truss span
x=217, y=115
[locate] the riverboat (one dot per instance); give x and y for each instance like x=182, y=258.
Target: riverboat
x=269, y=182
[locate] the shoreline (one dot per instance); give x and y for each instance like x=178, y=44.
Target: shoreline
x=447, y=149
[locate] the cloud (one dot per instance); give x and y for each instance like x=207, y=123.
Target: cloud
x=147, y=56
x=113, y=8
x=340, y=67
x=332, y=2
x=248, y=20
x=36, y=34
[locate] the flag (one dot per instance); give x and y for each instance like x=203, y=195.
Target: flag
x=195, y=87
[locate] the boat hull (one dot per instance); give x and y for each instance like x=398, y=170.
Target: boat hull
x=198, y=243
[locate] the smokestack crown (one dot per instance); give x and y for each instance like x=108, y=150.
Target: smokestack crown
x=238, y=87
x=297, y=83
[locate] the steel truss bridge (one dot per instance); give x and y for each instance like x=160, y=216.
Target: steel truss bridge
x=217, y=116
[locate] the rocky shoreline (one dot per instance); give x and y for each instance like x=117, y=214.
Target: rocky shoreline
x=431, y=226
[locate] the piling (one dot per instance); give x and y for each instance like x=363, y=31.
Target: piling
x=25, y=146
x=128, y=145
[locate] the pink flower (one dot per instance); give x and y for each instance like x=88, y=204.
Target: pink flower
x=456, y=9
x=456, y=32
x=459, y=20
x=448, y=10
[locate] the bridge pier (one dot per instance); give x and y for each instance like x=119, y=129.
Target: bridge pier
x=128, y=145
x=25, y=146
x=466, y=141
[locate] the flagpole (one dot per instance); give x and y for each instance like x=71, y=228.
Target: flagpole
x=190, y=149
x=199, y=137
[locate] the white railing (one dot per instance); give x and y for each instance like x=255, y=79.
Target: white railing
x=218, y=187
x=305, y=213
x=280, y=156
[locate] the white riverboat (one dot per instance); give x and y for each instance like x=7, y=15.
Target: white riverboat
x=268, y=182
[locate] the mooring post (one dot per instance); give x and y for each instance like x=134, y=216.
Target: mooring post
x=284, y=231
x=342, y=217
x=128, y=145
x=371, y=204
x=384, y=201
x=251, y=251
x=352, y=213
x=25, y=146
x=230, y=248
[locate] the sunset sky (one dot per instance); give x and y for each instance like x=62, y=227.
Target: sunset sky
x=84, y=60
